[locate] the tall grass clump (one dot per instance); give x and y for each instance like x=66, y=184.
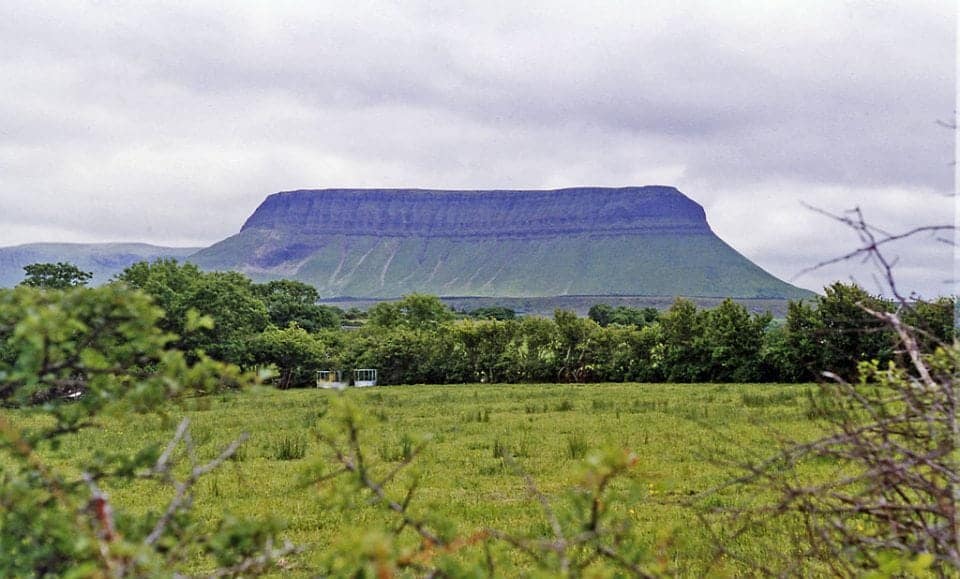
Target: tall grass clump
x=565, y=406
x=760, y=400
x=290, y=448
x=576, y=446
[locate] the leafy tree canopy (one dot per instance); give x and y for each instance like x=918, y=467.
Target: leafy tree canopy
x=493, y=313
x=289, y=301
x=415, y=311
x=72, y=356
x=59, y=275
x=605, y=315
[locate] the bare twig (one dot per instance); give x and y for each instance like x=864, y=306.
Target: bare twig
x=257, y=563
x=182, y=494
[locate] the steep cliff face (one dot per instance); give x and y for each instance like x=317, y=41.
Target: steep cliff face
x=468, y=214
x=651, y=241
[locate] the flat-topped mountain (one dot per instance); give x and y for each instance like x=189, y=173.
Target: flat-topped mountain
x=380, y=243
x=469, y=214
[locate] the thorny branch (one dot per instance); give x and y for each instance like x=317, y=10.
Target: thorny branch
x=873, y=241
x=894, y=441
x=183, y=495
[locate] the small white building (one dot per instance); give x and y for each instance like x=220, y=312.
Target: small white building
x=332, y=379
x=363, y=377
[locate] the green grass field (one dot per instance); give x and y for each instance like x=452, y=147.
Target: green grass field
x=682, y=435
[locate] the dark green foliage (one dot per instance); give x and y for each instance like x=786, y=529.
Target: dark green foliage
x=418, y=339
x=227, y=298
x=685, y=357
x=477, y=350
x=187, y=295
x=415, y=341
x=36, y=538
x=354, y=315
x=848, y=332
x=577, y=446
x=296, y=354
x=734, y=339
x=290, y=447
x=72, y=356
x=530, y=354
x=801, y=342
x=168, y=282
x=545, y=306
x=414, y=311
x=606, y=315
x=577, y=346
x=58, y=275
x=84, y=344
x=834, y=334
x=493, y=313
x=290, y=301
x=934, y=321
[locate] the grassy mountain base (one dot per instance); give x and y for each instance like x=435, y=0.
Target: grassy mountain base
x=372, y=266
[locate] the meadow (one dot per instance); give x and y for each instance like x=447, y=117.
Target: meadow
x=480, y=440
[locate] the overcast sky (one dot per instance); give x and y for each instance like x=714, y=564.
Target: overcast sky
x=169, y=123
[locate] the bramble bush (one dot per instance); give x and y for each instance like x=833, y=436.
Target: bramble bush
x=69, y=357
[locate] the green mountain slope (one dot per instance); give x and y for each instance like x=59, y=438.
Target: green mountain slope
x=638, y=241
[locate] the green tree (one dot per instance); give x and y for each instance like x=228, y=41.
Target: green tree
x=734, y=340
x=934, y=321
x=684, y=357
x=479, y=347
x=576, y=346
x=415, y=311
x=622, y=354
x=55, y=276
x=226, y=299
x=501, y=313
x=295, y=353
x=848, y=333
x=294, y=301
x=237, y=313
x=802, y=343
x=606, y=315
x=602, y=314
x=168, y=282
x=531, y=353
x=403, y=355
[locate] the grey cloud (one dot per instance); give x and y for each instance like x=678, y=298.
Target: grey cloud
x=118, y=121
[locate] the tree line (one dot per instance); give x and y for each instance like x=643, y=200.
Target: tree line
x=160, y=333
x=420, y=340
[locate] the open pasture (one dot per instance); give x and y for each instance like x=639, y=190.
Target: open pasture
x=681, y=435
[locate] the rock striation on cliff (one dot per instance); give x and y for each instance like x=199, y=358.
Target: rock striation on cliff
x=381, y=243
x=475, y=214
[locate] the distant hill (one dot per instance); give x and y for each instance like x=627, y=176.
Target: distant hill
x=104, y=260
x=381, y=243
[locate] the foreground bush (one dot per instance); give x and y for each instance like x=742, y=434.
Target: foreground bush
x=69, y=357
